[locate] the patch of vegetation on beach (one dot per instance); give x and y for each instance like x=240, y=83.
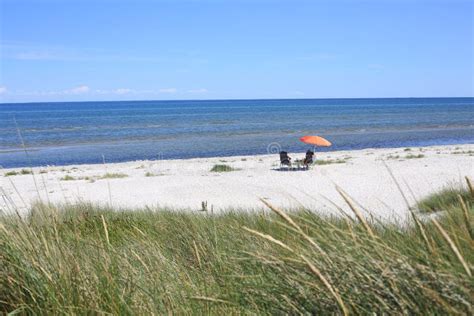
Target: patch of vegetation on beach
x=407, y=149
x=445, y=199
x=151, y=174
x=80, y=259
x=322, y=162
x=15, y=173
x=87, y=178
x=465, y=152
x=113, y=175
x=408, y=156
x=411, y=156
x=222, y=168
x=71, y=178
x=68, y=178
x=11, y=173
x=43, y=171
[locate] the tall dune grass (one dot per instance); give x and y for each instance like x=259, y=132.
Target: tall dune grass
x=85, y=259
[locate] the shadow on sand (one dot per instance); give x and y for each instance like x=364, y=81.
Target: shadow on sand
x=290, y=169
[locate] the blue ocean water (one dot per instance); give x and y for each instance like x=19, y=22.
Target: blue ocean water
x=85, y=132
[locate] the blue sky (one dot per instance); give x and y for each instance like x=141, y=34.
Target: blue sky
x=151, y=50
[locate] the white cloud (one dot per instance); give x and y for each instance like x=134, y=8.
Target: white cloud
x=122, y=91
x=86, y=90
x=115, y=91
x=202, y=90
x=78, y=90
x=168, y=90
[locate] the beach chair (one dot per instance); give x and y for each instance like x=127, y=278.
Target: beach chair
x=308, y=160
x=285, y=160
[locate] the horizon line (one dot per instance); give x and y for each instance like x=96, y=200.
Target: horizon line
x=237, y=99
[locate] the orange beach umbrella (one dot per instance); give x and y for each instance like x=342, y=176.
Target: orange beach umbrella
x=316, y=141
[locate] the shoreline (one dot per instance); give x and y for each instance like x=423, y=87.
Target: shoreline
x=188, y=183
x=321, y=150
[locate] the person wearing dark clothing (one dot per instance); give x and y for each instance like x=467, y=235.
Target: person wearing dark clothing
x=308, y=160
x=285, y=160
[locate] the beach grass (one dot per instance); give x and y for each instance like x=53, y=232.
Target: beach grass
x=408, y=156
x=465, y=152
x=25, y=171
x=15, y=173
x=68, y=178
x=322, y=162
x=152, y=174
x=444, y=199
x=114, y=175
x=411, y=156
x=89, y=259
x=11, y=173
x=222, y=168
x=71, y=178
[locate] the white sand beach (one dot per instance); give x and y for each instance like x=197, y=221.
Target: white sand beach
x=186, y=184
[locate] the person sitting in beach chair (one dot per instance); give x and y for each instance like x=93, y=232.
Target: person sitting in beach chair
x=308, y=160
x=285, y=160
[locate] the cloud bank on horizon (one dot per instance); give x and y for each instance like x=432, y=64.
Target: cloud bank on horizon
x=235, y=49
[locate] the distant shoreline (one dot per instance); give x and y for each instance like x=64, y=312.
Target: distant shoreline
x=318, y=150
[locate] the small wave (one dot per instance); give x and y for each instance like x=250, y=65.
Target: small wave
x=55, y=129
x=154, y=126
x=8, y=151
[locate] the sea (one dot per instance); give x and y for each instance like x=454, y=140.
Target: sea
x=40, y=134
